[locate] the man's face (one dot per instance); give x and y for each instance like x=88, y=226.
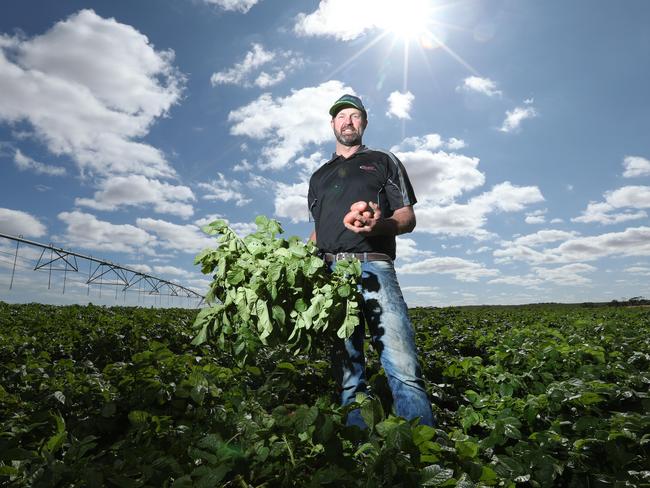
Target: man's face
x=348, y=125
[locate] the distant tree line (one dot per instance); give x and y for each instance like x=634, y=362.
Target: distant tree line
x=630, y=302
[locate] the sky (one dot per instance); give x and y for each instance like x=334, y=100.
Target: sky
x=126, y=125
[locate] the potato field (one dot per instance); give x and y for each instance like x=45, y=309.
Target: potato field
x=531, y=396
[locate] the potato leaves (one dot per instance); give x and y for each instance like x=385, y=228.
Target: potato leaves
x=270, y=291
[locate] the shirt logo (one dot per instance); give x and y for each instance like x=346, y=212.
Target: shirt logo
x=367, y=168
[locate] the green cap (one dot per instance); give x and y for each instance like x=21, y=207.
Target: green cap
x=347, y=101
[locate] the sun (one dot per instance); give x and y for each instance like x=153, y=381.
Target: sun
x=405, y=23
x=406, y=19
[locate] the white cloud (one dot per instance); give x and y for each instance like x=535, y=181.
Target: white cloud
x=342, y=20
x=138, y=190
x=407, y=249
x=345, y=20
x=25, y=163
x=454, y=144
x=225, y=190
x=601, y=213
x=399, y=104
x=566, y=275
x=528, y=281
x=515, y=117
x=264, y=79
x=479, y=250
x=608, y=212
x=468, y=219
x=253, y=59
x=480, y=85
x=85, y=231
x=636, y=166
x=429, y=142
x=243, y=165
x=454, y=220
x=242, y=6
x=257, y=57
x=140, y=268
x=91, y=87
x=17, y=222
x=260, y=182
x=441, y=177
x=420, y=295
x=291, y=201
x=536, y=217
x=288, y=125
x=310, y=163
x=507, y=197
x=642, y=270
x=431, y=291
x=171, y=271
x=461, y=269
x=634, y=241
x=185, y=238
x=544, y=237
x=629, y=196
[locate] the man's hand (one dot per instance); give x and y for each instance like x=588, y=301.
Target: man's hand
x=363, y=222
x=401, y=222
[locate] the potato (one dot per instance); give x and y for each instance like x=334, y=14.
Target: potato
x=359, y=206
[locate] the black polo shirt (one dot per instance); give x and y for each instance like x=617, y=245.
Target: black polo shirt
x=369, y=175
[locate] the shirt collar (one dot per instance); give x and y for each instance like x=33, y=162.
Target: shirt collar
x=362, y=148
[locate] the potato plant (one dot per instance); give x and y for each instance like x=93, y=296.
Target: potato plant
x=271, y=291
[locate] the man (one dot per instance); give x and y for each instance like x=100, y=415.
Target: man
x=357, y=173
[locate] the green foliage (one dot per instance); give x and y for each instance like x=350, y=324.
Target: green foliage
x=526, y=396
x=270, y=291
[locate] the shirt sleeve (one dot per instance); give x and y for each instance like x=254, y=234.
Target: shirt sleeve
x=399, y=190
x=312, y=202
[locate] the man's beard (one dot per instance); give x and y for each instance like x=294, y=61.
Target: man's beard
x=351, y=138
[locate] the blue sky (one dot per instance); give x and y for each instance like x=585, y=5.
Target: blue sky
x=125, y=126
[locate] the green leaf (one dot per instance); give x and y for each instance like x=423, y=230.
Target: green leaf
x=300, y=305
x=264, y=324
x=372, y=412
x=287, y=366
x=344, y=290
x=215, y=227
x=435, y=475
x=511, y=431
x=59, y=396
x=138, y=417
x=488, y=475
x=279, y=315
x=55, y=442
x=305, y=417
x=467, y=449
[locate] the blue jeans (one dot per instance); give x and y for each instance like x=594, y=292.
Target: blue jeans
x=386, y=314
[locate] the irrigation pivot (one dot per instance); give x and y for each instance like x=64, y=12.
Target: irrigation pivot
x=100, y=272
